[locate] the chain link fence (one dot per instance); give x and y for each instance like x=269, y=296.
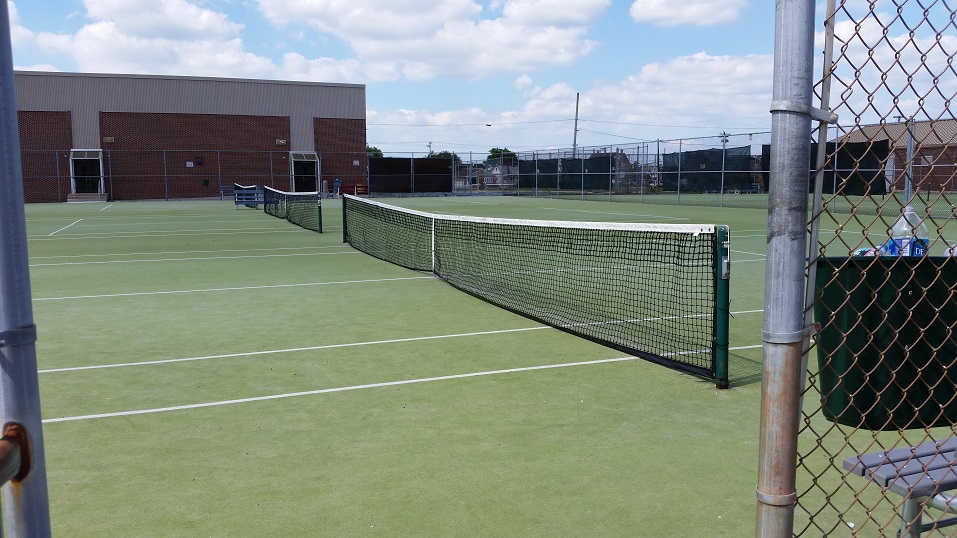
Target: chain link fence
x=722, y=170
x=875, y=454
x=58, y=175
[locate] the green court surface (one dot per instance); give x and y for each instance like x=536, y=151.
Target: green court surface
x=213, y=371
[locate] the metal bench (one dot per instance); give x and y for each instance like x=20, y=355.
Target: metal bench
x=247, y=195
x=920, y=474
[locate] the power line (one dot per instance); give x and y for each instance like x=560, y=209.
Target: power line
x=672, y=126
x=486, y=124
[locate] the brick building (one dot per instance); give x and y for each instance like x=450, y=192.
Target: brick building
x=933, y=166
x=127, y=137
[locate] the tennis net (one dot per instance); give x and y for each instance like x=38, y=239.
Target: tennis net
x=656, y=291
x=300, y=208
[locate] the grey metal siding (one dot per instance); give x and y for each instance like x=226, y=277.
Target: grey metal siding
x=86, y=95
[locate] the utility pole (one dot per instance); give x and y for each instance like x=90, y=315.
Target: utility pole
x=575, y=136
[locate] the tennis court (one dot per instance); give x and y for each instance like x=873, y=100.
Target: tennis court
x=213, y=371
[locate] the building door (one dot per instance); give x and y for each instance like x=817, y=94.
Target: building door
x=305, y=174
x=87, y=173
x=305, y=171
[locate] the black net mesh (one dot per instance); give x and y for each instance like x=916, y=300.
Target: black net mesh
x=646, y=290
x=401, y=237
x=300, y=208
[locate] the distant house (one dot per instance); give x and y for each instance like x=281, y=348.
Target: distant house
x=934, y=163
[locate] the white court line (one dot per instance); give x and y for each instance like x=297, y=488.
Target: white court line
x=291, y=350
x=328, y=346
x=109, y=222
x=632, y=215
x=187, y=230
x=749, y=253
x=343, y=389
x=105, y=208
x=193, y=233
x=185, y=252
x=238, y=288
x=63, y=228
x=193, y=259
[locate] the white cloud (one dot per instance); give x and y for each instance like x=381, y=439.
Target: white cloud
x=523, y=82
x=877, y=75
x=19, y=36
x=702, y=92
x=37, y=67
x=182, y=38
x=167, y=19
x=427, y=39
x=692, y=90
x=554, y=12
x=297, y=67
x=103, y=46
x=686, y=12
x=416, y=40
x=360, y=20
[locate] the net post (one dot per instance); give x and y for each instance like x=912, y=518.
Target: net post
x=345, y=229
x=723, y=305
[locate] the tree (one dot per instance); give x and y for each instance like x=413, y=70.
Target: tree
x=503, y=155
x=373, y=151
x=447, y=155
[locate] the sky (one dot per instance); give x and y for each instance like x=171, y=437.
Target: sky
x=447, y=75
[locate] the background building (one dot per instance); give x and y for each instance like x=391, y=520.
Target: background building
x=932, y=165
x=127, y=137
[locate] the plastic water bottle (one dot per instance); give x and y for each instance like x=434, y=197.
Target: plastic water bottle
x=908, y=236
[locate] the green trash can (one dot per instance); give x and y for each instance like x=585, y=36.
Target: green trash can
x=887, y=350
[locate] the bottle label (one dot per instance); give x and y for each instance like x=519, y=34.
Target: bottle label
x=907, y=247
x=918, y=247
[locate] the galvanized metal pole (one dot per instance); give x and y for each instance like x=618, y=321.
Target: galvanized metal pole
x=679, y=171
x=783, y=332
x=575, y=135
x=909, y=177
x=724, y=152
x=817, y=205
x=26, y=509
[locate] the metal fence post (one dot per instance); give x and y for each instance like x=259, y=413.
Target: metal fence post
x=783, y=332
x=109, y=170
x=724, y=153
x=219, y=170
x=678, y=184
x=26, y=507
